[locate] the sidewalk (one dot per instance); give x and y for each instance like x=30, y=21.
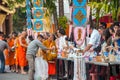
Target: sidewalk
x=13, y=76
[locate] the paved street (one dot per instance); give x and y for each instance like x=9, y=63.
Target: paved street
x=13, y=76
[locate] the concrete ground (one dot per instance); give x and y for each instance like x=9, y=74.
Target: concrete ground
x=13, y=76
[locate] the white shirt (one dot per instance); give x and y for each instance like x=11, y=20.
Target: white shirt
x=95, y=39
x=62, y=42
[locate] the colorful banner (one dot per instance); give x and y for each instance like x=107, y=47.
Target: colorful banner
x=28, y=7
x=38, y=25
x=29, y=23
x=38, y=3
x=79, y=3
x=34, y=15
x=28, y=12
x=79, y=16
x=37, y=13
x=27, y=2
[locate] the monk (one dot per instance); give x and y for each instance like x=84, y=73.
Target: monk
x=16, y=43
x=51, y=55
x=7, y=59
x=21, y=54
x=12, y=52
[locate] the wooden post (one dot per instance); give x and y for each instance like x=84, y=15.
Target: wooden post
x=10, y=23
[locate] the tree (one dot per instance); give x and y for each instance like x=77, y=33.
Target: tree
x=62, y=21
x=9, y=7
x=19, y=20
x=61, y=8
x=50, y=5
x=103, y=7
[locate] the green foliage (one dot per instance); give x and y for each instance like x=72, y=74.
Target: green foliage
x=62, y=21
x=101, y=8
x=50, y=5
x=11, y=3
x=19, y=20
x=114, y=8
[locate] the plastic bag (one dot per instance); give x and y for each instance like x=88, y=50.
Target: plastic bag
x=41, y=69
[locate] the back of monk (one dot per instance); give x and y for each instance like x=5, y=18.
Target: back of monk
x=22, y=54
x=16, y=50
x=7, y=60
x=12, y=53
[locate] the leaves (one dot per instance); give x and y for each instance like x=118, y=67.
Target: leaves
x=12, y=3
x=105, y=7
x=62, y=22
x=50, y=5
x=19, y=20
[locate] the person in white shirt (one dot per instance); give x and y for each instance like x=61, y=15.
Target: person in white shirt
x=62, y=41
x=94, y=39
x=62, y=46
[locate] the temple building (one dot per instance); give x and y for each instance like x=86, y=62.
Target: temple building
x=6, y=16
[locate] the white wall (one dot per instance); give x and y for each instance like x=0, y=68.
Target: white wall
x=66, y=8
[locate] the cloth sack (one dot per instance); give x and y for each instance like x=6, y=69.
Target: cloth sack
x=41, y=69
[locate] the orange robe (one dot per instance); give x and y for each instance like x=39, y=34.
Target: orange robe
x=16, y=50
x=21, y=54
x=51, y=66
x=7, y=60
x=11, y=53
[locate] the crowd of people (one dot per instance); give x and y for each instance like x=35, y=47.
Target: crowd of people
x=104, y=39
x=19, y=50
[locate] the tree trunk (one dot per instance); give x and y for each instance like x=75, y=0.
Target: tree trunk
x=61, y=8
x=10, y=23
x=55, y=19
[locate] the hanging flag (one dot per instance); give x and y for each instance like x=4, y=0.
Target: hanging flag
x=79, y=16
x=28, y=6
x=37, y=13
x=28, y=14
x=79, y=3
x=38, y=3
x=38, y=25
x=29, y=23
x=27, y=2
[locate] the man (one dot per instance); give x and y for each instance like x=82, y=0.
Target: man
x=31, y=53
x=3, y=46
x=94, y=40
x=21, y=55
x=101, y=29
